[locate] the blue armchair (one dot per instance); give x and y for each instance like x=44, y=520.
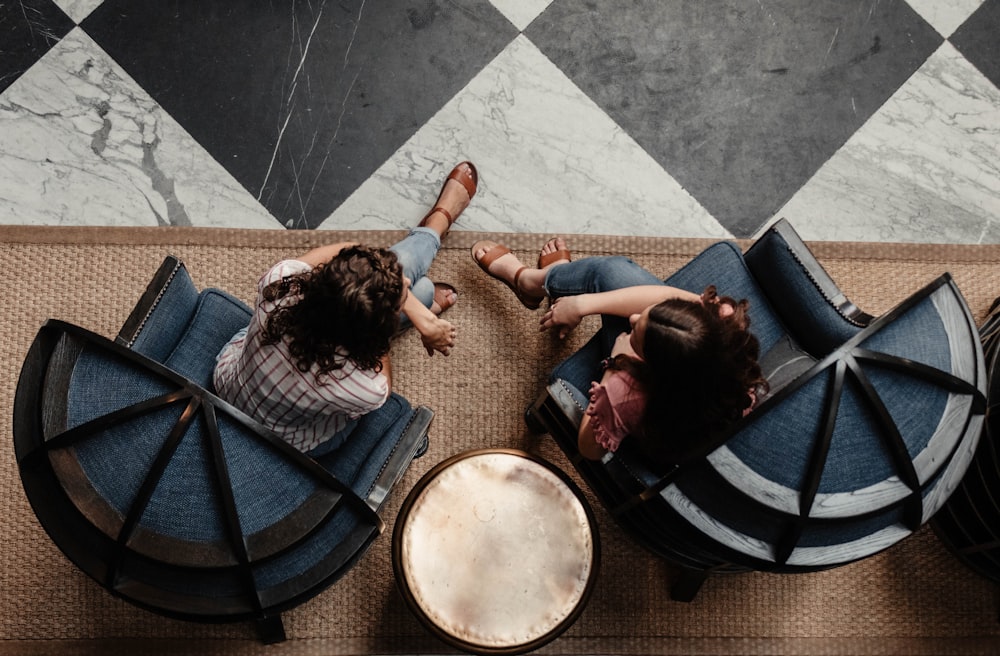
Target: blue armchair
x=171, y=498
x=868, y=426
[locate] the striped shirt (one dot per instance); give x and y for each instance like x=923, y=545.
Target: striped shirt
x=263, y=381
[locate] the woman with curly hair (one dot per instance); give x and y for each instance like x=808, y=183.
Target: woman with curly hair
x=678, y=368
x=315, y=357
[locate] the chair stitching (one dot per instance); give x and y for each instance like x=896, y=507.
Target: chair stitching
x=819, y=288
x=155, y=303
x=395, y=446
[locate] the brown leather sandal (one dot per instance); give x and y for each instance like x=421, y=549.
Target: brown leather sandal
x=464, y=173
x=553, y=257
x=493, y=252
x=442, y=292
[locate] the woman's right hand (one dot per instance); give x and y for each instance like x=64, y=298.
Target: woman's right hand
x=437, y=335
x=564, y=314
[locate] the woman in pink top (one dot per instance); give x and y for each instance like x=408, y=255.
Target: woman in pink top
x=669, y=368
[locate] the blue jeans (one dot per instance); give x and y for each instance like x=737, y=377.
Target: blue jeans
x=588, y=276
x=416, y=252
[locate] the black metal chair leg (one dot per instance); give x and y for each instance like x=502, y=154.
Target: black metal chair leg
x=270, y=629
x=687, y=585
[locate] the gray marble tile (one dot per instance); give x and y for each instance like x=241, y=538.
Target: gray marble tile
x=82, y=144
x=945, y=15
x=977, y=39
x=924, y=168
x=521, y=12
x=78, y=9
x=741, y=102
x=28, y=29
x=549, y=159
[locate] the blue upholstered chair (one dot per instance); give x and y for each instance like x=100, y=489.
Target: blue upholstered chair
x=867, y=429
x=171, y=498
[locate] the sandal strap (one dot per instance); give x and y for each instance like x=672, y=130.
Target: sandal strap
x=447, y=215
x=494, y=253
x=556, y=256
x=466, y=177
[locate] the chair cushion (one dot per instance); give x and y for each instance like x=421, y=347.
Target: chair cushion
x=217, y=317
x=360, y=460
x=791, y=279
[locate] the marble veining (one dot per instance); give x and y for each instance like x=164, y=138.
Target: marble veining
x=82, y=144
x=924, y=168
x=522, y=121
x=301, y=43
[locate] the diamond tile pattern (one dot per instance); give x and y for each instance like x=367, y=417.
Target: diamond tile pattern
x=28, y=29
x=653, y=117
x=979, y=40
x=741, y=102
x=301, y=101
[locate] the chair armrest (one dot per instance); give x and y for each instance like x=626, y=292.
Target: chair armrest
x=410, y=443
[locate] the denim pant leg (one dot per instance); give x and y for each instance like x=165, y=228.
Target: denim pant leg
x=596, y=274
x=416, y=252
x=587, y=276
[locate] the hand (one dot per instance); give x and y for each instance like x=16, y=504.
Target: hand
x=437, y=335
x=564, y=314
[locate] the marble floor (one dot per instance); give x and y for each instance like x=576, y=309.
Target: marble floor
x=875, y=120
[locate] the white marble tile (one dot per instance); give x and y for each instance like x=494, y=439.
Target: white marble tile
x=521, y=12
x=82, y=144
x=945, y=16
x=924, y=168
x=78, y=9
x=549, y=161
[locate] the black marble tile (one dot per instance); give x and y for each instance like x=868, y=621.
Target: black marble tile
x=301, y=101
x=28, y=29
x=740, y=101
x=978, y=39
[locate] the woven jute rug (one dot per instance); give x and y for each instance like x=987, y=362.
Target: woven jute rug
x=914, y=598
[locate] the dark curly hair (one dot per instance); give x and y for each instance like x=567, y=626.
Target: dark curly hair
x=346, y=308
x=697, y=371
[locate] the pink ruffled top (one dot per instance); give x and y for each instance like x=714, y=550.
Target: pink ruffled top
x=616, y=406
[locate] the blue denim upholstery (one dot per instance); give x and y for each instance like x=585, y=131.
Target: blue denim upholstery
x=801, y=304
x=216, y=318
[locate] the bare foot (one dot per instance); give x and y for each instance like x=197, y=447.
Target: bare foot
x=553, y=252
x=499, y=262
x=527, y=284
x=444, y=297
